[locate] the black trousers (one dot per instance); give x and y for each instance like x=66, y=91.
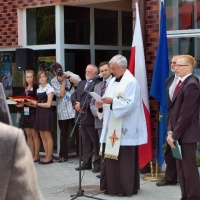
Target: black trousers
x=171, y=171
x=90, y=146
x=188, y=173
x=65, y=129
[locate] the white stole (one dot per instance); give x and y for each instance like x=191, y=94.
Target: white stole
x=113, y=125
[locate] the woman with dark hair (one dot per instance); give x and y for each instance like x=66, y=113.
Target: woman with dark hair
x=27, y=119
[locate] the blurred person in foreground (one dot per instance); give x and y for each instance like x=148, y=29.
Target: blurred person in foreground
x=123, y=130
x=170, y=172
x=4, y=116
x=18, y=177
x=64, y=85
x=183, y=126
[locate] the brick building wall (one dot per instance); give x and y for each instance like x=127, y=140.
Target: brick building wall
x=151, y=44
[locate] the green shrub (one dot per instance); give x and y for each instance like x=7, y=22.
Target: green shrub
x=198, y=160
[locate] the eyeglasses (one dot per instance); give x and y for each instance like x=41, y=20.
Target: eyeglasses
x=180, y=65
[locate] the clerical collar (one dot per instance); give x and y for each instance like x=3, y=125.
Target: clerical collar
x=119, y=79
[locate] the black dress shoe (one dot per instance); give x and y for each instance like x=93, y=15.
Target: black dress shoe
x=40, y=162
x=61, y=160
x=83, y=167
x=105, y=192
x=37, y=160
x=96, y=170
x=164, y=183
x=46, y=163
x=123, y=195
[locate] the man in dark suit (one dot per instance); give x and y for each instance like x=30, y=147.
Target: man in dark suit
x=183, y=126
x=81, y=103
x=100, y=88
x=170, y=172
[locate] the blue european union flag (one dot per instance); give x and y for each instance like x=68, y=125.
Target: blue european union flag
x=158, y=86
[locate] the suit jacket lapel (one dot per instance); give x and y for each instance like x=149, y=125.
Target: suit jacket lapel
x=169, y=82
x=181, y=87
x=82, y=88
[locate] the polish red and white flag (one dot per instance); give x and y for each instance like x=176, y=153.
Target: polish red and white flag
x=138, y=68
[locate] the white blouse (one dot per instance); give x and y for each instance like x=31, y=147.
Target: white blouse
x=46, y=89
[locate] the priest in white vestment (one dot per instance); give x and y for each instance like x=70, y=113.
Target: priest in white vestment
x=124, y=128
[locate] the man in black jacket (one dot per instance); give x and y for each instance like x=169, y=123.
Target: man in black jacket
x=183, y=126
x=171, y=172
x=81, y=103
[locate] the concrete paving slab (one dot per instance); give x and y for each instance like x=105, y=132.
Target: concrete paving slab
x=58, y=181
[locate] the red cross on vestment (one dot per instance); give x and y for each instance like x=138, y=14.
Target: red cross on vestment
x=113, y=138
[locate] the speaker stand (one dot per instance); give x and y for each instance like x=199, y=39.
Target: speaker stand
x=80, y=192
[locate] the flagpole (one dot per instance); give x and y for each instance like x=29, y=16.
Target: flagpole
x=154, y=175
x=158, y=92
x=138, y=68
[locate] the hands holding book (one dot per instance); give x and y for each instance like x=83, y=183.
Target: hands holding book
x=175, y=147
x=170, y=140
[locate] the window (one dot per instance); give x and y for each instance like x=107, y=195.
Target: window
x=41, y=26
x=182, y=14
x=183, y=28
x=186, y=46
x=77, y=25
x=106, y=27
x=127, y=29
x=94, y=35
x=104, y=55
x=76, y=61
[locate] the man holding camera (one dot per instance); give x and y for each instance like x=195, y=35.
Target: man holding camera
x=63, y=84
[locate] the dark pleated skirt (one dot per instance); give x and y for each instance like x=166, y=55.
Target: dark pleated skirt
x=121, y=176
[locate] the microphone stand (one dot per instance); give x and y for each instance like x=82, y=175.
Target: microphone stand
x=80, y=192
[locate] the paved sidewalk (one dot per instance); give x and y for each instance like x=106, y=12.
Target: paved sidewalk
x=58, y=181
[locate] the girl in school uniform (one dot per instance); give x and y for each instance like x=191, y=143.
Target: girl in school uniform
x=27, y=119
x=44, y=115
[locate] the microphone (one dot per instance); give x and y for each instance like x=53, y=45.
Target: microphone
x=97, y=77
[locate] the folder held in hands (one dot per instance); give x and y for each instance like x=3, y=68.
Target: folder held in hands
x=177, y=151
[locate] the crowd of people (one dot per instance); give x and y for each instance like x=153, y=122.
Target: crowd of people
x=112, y=122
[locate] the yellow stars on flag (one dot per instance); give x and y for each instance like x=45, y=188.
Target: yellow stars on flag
x=160, y=116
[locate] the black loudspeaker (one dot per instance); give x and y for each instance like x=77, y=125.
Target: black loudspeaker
x=24, y=59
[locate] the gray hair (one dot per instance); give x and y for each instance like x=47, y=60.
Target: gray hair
x=96, y=70
x=120, y=60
